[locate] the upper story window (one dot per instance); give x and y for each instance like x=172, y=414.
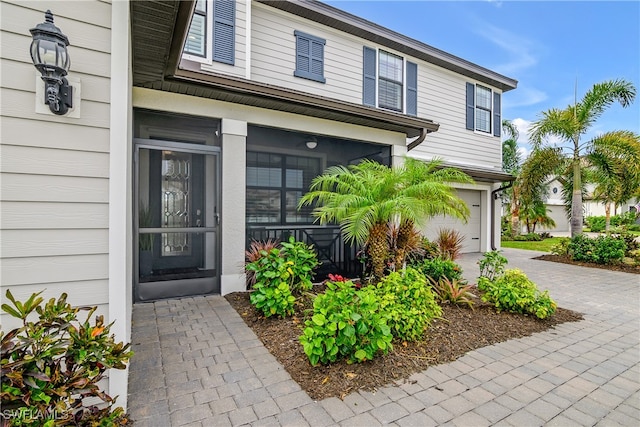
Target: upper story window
x=211, y=34
x=483, y=109
x=389, y=82
x=309, y=57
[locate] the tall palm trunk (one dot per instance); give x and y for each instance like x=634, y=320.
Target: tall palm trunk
x=576, y=200
x=378, y=248
x=607, y=216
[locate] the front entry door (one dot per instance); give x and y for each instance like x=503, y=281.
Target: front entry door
x=177, y=216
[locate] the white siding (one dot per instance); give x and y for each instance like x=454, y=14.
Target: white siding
x=273, y=55
x=441, y=93
x=54, y=188
x=240, y=63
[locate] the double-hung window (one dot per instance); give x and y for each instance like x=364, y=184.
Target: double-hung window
x=309, y=57
x=483, y=109
x=211, y=34
x=389, y=82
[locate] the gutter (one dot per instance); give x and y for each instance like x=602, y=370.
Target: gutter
x=494, y=196
x=413, y=144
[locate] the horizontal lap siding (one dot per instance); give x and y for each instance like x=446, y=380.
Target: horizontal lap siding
x=441, y=93
x=240, y=63
x=55, y=169
x=441, y=97
x=274, y=58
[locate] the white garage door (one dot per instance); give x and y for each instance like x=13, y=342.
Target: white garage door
x=470, y=230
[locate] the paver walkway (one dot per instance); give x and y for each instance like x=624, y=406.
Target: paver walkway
x=198, y=364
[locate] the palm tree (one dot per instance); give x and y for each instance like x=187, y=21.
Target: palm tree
x=511, y=163
x=569, y=125
x=367, y=197
x=430, y=183
x=616, y=165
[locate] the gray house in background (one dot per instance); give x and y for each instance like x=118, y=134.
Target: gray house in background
x=198, y=125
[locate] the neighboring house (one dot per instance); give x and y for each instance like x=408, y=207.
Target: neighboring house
x=170, y=160
x=591, y=207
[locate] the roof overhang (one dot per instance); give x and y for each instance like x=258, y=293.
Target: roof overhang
x=359, y=27
x=159, y=30
x=482, y=174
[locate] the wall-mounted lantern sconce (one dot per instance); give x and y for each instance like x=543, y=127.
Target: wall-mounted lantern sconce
x=49, y=55
x=311, y=144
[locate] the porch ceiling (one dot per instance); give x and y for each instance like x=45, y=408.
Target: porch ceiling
x=158, y=31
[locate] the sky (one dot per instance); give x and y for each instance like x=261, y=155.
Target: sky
x=550, y=47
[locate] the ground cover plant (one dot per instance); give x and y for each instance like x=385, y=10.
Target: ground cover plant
x=344, y=336
x=52, y=366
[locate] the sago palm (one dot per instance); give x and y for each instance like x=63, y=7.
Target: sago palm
x=361, y=199
x=569, y=125
x=365, y=198
x=427, y=191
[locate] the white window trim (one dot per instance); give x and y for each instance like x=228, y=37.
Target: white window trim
x=208, y=58
x=475, y=106
x=404, y=81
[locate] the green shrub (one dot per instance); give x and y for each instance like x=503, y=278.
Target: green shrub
x=271, y=292
x=633, y=227
x=439, y=268
x=601, y=250
x=408, y=302
x=514, y=292
x=303, y=261
x=529, y=237
x=51, y=366
x=492, y=264
x=273, y=300
x=278, y=274
x=596, y=223
x=346, y=323
x=562, y=247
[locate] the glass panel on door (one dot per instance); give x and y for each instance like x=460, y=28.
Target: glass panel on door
x=178, y=220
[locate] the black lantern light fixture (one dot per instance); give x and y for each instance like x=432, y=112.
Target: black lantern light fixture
x=49, y=55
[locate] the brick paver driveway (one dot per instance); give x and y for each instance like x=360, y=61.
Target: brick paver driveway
x=198, y=364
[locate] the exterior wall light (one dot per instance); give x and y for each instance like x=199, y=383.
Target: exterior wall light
x=311, y=144
x=50, y=57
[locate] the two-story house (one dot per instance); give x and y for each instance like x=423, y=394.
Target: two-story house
x=196, y=125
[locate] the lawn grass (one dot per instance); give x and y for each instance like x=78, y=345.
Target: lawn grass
x=543, y=246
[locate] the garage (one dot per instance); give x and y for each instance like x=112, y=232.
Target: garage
x=470, y=230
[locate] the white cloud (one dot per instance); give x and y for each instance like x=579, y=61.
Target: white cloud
x=524, y=139
x=520, y=50
x=523, y=97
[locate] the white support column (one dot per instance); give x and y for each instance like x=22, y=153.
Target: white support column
x=398, y=153
x=120, y=167
x=234, y=161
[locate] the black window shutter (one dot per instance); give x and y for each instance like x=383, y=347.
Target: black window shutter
x=369, y=77
x=471, y=105
x=224, y=13
x=412, y=89
x=497, y=121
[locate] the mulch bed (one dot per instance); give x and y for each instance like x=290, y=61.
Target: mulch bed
x=459, y=331
x=625, y=268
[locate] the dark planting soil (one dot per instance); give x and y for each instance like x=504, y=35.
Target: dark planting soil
x=458, y=331
x=625, y=268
